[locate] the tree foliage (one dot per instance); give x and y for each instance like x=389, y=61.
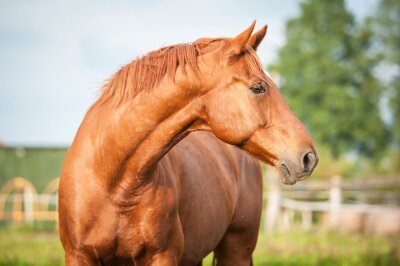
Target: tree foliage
x=386, y=25
x=327, y=78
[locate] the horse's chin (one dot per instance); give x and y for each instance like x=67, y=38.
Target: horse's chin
x=285, y=176
x=288, y=175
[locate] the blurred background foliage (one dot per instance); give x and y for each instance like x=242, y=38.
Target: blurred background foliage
x=341, y=77
x=38, y=165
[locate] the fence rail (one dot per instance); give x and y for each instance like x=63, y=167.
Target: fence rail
x=283, y=203
x=19, y=201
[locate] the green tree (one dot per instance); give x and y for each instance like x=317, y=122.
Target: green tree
x=327, y=78
x=386, y=24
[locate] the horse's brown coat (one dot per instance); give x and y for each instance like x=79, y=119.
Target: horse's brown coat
x=129, y=197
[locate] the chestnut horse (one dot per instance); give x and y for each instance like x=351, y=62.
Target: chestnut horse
x=133, y=192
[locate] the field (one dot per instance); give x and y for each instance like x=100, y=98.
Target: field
x=40, y=246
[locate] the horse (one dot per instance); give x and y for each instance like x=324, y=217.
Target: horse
x=137, y=188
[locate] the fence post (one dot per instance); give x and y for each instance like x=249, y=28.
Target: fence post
x=287, y=217
x=28, y=206
x=335, y=201
x=306, y=220
x=273, y=202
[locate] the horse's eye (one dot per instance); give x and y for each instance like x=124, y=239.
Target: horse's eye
x=258, y=88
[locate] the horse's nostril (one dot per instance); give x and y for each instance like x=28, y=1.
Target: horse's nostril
x=309, y=161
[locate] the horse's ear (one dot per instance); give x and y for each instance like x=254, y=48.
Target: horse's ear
x=236, y=45
x=257, y=37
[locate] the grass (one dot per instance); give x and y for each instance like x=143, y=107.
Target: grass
x=326, y=248
x=39, y=245
x=25, y=246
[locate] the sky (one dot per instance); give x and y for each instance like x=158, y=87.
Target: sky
x=55, y=55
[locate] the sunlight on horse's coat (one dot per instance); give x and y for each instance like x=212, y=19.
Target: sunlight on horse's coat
x=137, y=189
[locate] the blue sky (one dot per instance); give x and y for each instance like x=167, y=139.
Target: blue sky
x=54, y=55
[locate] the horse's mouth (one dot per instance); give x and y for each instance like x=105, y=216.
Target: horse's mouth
x=289, y=176
x=285, y=175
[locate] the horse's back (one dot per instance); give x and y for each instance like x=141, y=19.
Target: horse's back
x=219, y=189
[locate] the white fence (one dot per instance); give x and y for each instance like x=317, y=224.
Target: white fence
x=304, y=200
x=19, y=201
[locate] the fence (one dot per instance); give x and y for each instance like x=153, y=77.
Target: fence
x=345, y=205
x=19, y=201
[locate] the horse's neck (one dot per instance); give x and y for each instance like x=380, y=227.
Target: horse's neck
x=133, y=139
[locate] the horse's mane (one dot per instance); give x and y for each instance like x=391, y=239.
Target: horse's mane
x=147, y=71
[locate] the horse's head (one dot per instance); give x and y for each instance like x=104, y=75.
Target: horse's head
x=243, y=106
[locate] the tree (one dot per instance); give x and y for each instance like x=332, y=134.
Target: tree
x=327, y=78
x=386, y=24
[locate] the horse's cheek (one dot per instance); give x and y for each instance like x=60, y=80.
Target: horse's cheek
x=230, y=127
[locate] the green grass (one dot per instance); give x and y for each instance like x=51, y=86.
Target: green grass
x=39, y=245
x=24, y=246
x=326, y=248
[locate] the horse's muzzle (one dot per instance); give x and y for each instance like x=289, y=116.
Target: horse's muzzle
x=291, y=171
